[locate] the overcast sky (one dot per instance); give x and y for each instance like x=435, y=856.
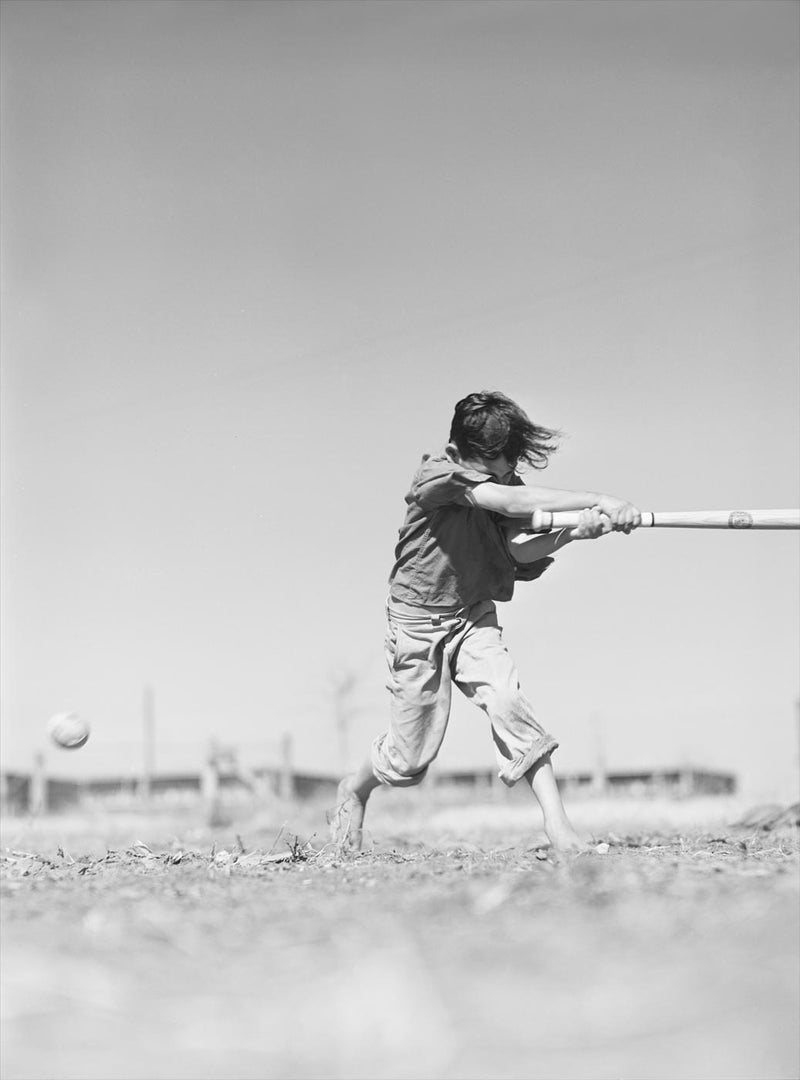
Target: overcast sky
x=254, y=252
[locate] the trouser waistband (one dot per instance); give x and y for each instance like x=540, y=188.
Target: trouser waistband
x=435, y=616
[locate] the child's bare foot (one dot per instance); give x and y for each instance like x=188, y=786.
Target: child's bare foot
x=347, y=819
x=565, y=840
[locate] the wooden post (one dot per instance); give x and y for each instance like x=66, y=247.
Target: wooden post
x=148, y=744
x=600, y=773
x=430, y=785
x=343, y=708
x=492, y=784
x=37, y=792
x=286, y=780
x=685, y=783
x=209, y=780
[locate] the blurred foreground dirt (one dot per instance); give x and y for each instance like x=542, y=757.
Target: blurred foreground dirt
x=146, y=946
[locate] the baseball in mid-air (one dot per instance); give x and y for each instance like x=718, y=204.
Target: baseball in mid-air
x=68, y=730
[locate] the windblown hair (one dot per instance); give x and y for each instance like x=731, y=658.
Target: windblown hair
x=489, y=424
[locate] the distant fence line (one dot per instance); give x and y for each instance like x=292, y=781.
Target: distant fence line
x=38, y=792
x=224, y=779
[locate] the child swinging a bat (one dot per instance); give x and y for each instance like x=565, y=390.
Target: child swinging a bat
x=453, y=560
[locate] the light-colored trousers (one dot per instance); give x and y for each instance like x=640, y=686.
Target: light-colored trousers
x=426, y=654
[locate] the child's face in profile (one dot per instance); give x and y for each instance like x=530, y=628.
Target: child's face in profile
x=499, y=467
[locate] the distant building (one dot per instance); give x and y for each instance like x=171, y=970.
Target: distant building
x=33, y=792
x=675, y=783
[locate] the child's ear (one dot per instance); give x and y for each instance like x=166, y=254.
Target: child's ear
x=452, y=451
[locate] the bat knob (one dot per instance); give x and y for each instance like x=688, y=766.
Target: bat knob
x=541, y=521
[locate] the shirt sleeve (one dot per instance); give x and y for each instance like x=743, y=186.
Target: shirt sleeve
x=532, y=571
x=441, y=482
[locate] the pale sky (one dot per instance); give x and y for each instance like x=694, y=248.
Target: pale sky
x=254, y=252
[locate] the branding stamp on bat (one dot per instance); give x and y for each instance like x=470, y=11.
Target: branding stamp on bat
x=740, y=519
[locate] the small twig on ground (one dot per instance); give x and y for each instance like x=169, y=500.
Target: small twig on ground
x=280, y=856
x=277, y=838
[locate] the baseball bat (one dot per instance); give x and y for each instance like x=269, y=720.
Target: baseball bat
x=546, y=520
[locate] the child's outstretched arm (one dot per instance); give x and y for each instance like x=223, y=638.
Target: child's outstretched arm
x=520, y=501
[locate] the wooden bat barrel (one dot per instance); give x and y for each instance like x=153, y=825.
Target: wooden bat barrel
x=545, y=520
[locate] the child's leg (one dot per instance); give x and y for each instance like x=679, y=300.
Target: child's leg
x=557, y=825
x=419, y=685
x=364, y=782
x=347, y=821
x=487, y=675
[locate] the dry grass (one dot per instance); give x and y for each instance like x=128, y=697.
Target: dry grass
x=454, y=946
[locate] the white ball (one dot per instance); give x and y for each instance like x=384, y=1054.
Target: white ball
x=68, y=730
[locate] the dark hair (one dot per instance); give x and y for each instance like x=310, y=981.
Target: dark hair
x=489, y=424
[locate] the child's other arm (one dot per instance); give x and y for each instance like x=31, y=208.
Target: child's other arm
x=520, y=501
x=592, y=524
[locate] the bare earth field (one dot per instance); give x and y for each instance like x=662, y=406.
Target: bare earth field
x=454, y=946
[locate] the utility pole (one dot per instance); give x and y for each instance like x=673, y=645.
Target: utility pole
x=148, y=743
x=600, y=770
x=209, y=782
x=37, y=791
x=343, y=709
x=286, y=776
x=797, y=722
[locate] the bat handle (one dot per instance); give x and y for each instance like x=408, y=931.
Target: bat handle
x=547, y=520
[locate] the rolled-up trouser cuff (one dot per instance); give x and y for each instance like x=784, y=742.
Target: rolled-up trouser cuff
x=513, y=769
x=386, y=773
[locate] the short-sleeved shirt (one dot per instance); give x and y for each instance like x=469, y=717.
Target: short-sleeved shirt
x=451, y=553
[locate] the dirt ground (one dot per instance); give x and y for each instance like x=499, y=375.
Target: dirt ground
x=455, y=946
